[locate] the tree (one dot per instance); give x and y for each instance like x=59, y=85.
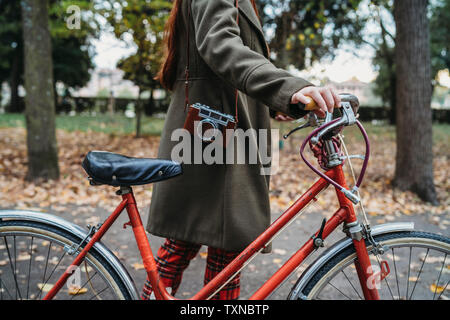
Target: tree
x=72, y=50
x=305, y=31
x=11, y=51
x=145, y=22
x=39, y=100
x=440, y=37
x=72, y=57
x=414, y=159
x=384, y=61
x=383, y=42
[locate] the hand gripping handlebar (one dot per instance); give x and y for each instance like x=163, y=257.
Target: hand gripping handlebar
x=348, y=118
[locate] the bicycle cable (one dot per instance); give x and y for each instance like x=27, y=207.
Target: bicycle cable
x=361, y=205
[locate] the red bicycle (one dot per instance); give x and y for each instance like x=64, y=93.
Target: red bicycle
x=44, y=256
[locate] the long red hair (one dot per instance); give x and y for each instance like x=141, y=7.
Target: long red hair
x=167, y=73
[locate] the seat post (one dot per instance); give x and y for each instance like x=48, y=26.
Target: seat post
x=143, y=244
x=124, y=190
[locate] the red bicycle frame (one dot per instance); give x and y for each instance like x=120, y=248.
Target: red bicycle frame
x=345, y=214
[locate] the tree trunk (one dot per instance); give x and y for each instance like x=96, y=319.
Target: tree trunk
x=39, y=100
x=14, y=102
x=414, y=160
x=389, y=56
x=138, y=110
x=393, y=98
x=150, y=105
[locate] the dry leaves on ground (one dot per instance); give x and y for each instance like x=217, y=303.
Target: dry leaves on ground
x=379, y=198
x=73, y=186
x=292, y=179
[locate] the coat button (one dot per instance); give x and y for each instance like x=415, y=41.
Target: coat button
x=160, y=173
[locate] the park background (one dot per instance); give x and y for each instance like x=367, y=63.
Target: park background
x=96, y=61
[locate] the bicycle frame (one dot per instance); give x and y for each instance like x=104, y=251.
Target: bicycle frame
x=345, y=214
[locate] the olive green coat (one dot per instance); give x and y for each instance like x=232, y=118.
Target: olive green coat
x=221, y=205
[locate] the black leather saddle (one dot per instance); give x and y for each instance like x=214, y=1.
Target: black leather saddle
x=118, y=170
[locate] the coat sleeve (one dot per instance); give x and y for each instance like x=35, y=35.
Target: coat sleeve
x=217, y=36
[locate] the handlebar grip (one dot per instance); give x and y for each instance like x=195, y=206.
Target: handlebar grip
x=312, y=105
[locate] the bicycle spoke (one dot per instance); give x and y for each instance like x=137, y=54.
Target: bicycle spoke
x=418, y=276
x=13, y=269
x=351, y=284
x=81, y=287
x=385, y=279
x=2, y=285
x=59, y=261
x=15, y=266
x=439, y=277
x=445, y=288
x=98, y=293
x=29, y=266
x=339, y=290
x=45, y=269
x=396, y=276
x=409, y=273
x=38, y=257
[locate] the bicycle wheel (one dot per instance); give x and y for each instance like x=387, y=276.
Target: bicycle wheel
x=34, y=255
x=419, y=269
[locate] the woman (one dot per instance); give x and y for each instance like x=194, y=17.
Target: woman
x=222, y=206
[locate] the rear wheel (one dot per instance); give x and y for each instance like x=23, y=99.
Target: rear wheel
x=34, y=255
x=419, y=269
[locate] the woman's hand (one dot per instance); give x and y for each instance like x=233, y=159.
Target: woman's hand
x=326, y=98
x=282, y=117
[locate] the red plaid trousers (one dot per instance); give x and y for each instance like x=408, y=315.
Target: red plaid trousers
x=173, y=258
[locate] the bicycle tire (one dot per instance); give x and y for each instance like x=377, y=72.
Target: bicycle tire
x=396, y=240
x=10, y=229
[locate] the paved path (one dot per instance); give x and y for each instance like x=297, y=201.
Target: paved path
x=121, y=242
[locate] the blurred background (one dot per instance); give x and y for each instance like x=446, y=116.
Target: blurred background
x=79, y=75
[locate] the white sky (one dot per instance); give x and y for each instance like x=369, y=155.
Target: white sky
x=110, y=50
x=342, y=68
x=345, y=66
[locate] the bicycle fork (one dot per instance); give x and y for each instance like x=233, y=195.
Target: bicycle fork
x=355, y=231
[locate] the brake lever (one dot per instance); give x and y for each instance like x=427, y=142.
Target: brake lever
x=312, y=121
x=348, y=118
x=305, y=125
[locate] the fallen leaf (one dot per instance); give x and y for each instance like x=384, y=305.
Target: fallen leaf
x=281, y=252
x=437, y=289
x=76, y=290
x=277, y=261
x=23, y=257
x=138, y=266
x=45, y=287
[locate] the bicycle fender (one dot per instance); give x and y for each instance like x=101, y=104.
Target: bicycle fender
x=297, y=291
x=60, y=223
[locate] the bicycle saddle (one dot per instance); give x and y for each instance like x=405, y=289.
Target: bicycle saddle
x=117, y=170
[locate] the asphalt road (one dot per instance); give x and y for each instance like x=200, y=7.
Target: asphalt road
x=121, y=242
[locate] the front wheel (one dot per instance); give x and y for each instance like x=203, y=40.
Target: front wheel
x=418, y=265
x=34, y=255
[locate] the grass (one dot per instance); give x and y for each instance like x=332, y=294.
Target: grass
x=441, y=131
x=112, y=124
x=119, y=124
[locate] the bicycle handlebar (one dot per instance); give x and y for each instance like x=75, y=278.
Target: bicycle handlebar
x=349, y=105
